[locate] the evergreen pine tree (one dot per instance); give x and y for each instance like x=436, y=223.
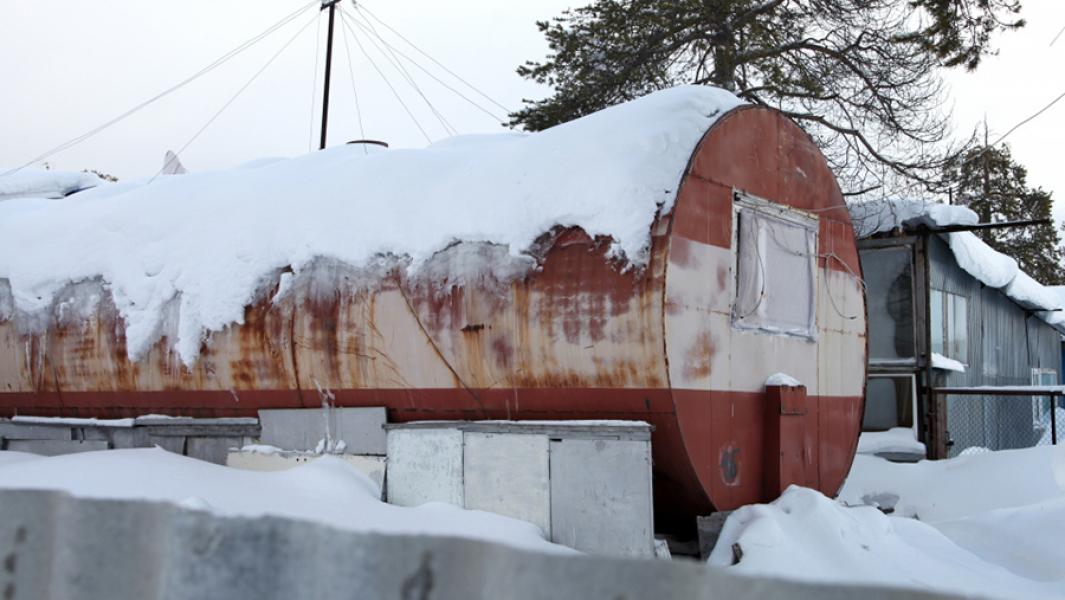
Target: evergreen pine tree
x=860, y=75
x=992, y=184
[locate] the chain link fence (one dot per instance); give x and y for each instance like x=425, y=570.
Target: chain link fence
x=980, y=423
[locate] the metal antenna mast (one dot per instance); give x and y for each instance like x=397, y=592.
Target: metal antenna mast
x=331, y=5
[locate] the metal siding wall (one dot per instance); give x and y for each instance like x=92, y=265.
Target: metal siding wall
x=1005, y=343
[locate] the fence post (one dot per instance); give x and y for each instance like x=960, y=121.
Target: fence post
x=1054, y=420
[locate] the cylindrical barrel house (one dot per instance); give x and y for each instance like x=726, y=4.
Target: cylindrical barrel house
x=659, y=261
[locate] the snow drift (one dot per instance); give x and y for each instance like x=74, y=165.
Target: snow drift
x=326, y=490
x=985, y=524
x=804, y=535
x=31, y=182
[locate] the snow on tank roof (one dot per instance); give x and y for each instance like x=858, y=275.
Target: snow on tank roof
x=32, y=182
x=210, y=239
x=973, y=255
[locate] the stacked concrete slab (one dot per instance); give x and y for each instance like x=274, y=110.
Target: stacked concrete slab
x=205, y=439
x=587, y=485
x=301, y=429
x=291, y=437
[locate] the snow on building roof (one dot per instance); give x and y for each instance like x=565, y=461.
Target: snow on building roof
x=973, y=255
x=882, y=216
x=43, y=183
x=209, y=240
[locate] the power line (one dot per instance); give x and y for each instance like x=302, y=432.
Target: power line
x=354, y=90
x=236, y=95
x=360, y=8
x=218, y=62
x=1039, y=112
x=396, y=64
x=344, y=20
x=1061, y=31
x=434, y=77
x=314, y=83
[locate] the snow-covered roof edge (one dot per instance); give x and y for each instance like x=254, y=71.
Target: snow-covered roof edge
x=989, y=266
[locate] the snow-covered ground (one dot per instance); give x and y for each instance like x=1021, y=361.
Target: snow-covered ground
x=989, y=524
x=326, y=490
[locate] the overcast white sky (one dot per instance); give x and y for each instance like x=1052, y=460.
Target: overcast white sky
x=67, y=66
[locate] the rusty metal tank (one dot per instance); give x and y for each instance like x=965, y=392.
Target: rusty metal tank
x=579, y=337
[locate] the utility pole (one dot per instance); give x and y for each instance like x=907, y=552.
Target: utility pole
x=332, y=6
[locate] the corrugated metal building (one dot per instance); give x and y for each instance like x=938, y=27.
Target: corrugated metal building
x=933, y=324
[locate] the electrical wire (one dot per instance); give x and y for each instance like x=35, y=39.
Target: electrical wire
x=218, y=62
x=1061, y=31
x=362, y=9
x=1037, y=113
x=235, y=96
x=434, y=77
x=396, y=64
x=343, y=19
x=314, y=83
x=354, y=89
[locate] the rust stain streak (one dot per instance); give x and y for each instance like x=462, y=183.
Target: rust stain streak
x=295, y=361
x=436, y=350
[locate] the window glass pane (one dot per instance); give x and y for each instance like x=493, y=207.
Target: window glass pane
x=790, y=255
x=750, y=272
x=775, y=273
x=959, y=334
x=889, y=294
x=937, y=319
x=888, y=403
x=1041, y=405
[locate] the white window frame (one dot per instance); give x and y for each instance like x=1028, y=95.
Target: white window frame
x=791, y=216
x=949, y=331
x=1039, y=403
x=913, y=396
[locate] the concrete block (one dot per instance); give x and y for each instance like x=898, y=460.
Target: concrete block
x=424, y=465
x=301, y=429
x=51, y=548
x=13, y=430
x=55, y=447
x=508, y=474
x=662, y=550
x=134, y=437
x=709, y=530
x=175, y=444
x=94, y=433
x=601, y=496
x=211, y=449
x=371, y=466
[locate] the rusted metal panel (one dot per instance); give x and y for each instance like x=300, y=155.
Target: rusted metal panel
x=785, y=440
x=721, y=407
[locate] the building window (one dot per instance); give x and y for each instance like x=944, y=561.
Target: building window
x=1041, y=405
x=776, y=268
x=949, y=317
x=888, y=276
x=890, y=401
